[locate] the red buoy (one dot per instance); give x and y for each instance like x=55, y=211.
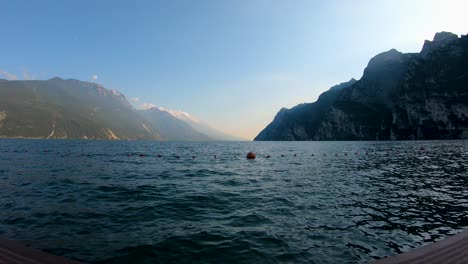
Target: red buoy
x=250, y=155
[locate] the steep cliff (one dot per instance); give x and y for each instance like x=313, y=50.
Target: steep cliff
x=400, y=96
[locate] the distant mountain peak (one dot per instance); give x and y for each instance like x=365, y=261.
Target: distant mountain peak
x=384, y=65
x=385, y=57
x=441, y=40
x=199, y=126
x=444, y=36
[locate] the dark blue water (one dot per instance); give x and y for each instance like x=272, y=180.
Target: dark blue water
x=332, y=202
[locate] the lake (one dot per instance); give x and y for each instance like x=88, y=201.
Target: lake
x=204, y=202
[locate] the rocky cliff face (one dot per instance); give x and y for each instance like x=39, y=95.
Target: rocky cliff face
x=400, y=96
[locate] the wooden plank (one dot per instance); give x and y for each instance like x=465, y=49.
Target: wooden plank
x=12, y=252
x=453, y=250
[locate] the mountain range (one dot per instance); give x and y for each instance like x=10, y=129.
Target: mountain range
x=401, y=96
x=59, y=108
x=180, y=126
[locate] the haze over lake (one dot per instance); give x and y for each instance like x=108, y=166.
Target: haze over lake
x=321, y=202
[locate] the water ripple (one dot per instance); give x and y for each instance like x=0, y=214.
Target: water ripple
x=310, y=202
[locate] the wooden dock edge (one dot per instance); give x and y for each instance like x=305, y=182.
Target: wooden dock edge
x=12, y=252
x=453, y=250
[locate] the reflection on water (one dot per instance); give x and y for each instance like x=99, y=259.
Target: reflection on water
x=322, y=202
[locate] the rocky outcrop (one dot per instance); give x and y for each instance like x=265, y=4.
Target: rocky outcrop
x=3, y=115
x=400, y=96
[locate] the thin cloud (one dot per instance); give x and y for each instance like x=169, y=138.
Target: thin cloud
x=8, y=76
x=145, y=106
x=180, y=114
x=26, y=76
x=134, y=99
x=94, y=77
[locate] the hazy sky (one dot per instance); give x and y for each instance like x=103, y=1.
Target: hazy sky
x=232, y=63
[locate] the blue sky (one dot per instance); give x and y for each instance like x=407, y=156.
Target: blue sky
x=232, y=63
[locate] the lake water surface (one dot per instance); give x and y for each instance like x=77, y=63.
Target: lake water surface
x=321, y=202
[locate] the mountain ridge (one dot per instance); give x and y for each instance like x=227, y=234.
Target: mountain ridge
x=58, y=108
x=172, y=128
x=200, y=126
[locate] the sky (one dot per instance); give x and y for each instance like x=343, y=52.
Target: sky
x=232, y=63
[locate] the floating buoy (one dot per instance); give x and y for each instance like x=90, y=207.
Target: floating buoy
x=295, y=155
x=193, y=157
x=422, y=149
x=159, y=155
x=312, y=155
x=250, y=155
x=268, y=156
x=282, y=155
x=142, y=155
x=177, y=157
x=215, y=156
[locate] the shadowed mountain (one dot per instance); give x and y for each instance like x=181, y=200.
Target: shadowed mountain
x=400, y=96
x=58, y=108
